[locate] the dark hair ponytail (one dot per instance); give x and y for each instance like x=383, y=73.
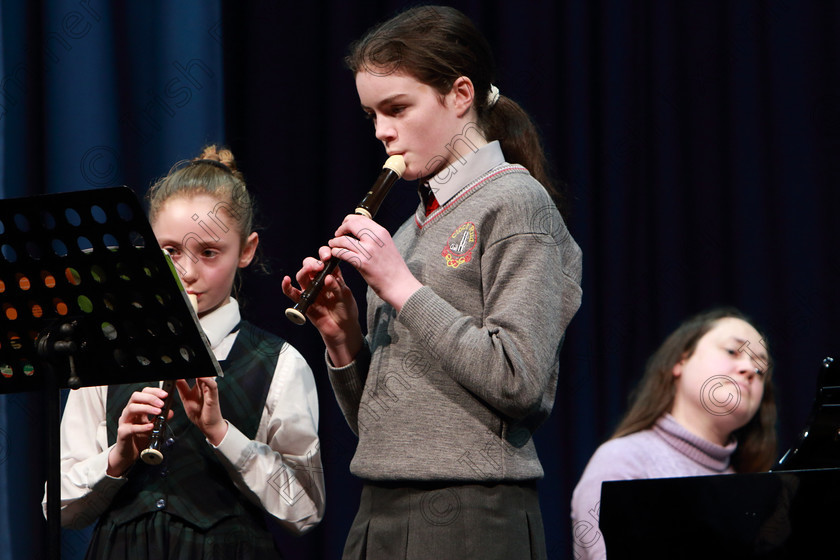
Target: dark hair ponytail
x=508, y=123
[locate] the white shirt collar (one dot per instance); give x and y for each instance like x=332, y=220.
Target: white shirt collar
x=466, y=169
x=218, y=323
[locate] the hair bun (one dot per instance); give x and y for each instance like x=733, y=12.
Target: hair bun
x=222, y=155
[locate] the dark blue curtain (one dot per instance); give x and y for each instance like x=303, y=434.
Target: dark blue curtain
x=5, y=523
x=697, y=141
x=93, y=94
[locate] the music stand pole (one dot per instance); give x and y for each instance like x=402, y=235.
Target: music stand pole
x=50, y=346
x=52, y=400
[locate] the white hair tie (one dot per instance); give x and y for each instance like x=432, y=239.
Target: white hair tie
x=492, y=96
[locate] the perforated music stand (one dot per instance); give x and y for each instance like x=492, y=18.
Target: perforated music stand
x=88, y=298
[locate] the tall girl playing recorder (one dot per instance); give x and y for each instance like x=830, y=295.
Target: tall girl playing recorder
x=468, y=304
x=240, y=446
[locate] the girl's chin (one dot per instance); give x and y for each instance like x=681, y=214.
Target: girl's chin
x=410, y=174
x=740, y=417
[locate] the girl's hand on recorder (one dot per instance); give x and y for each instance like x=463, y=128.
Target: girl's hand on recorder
x=134, y=427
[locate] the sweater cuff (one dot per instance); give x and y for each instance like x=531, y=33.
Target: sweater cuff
x=350, y=378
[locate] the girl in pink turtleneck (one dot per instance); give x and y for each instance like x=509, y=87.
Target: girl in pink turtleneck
x=705, y=406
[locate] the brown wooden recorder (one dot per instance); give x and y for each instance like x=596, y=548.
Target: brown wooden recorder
x=153, y=454
x=391, y=171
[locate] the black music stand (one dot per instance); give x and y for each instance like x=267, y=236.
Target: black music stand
x=88, y=298
x=758, y=516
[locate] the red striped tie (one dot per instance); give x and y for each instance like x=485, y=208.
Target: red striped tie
x=429, y=200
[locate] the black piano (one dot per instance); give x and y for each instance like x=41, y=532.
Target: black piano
x=793, y=511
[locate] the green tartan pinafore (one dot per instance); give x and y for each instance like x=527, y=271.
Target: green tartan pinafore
x=188, y=507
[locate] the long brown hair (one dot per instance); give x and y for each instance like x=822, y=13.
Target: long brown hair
x=437, y=45
x=654, y=396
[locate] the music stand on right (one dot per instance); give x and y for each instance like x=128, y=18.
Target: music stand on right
x=757, y=516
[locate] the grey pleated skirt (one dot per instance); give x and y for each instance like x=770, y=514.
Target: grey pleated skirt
x=431, y=521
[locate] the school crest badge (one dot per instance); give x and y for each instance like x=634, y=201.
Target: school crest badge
x=460, y=245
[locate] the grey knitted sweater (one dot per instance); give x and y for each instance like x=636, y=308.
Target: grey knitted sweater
x=453, y=386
